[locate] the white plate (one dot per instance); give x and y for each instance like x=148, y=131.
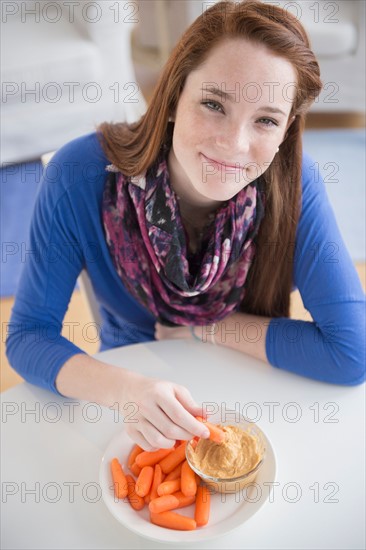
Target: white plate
x=228, y=511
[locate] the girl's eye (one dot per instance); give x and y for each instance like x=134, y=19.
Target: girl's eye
x=265, y=121
x=268, y=122
x=215, y=103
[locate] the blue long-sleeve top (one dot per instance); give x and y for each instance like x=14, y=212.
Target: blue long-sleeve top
x=67, y=236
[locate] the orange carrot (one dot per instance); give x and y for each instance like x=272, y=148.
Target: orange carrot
x=162, y=504
x=188, y=480
x=173, y=459
x=136, y=450
x=135, y=469
x=202, y=510
x=157, y=479
x=183, y=500
x=172, y=520
x=216, y=434
x=168, y=487
x=150, y=458
x=144, y=481
x=174, y=474
x=134, y=499
x=119, y=479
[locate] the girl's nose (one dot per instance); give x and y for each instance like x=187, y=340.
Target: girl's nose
x=235, y=141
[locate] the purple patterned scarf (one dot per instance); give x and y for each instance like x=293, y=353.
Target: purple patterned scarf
x=148, y=245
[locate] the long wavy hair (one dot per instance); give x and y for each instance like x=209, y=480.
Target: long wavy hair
x=134, y=147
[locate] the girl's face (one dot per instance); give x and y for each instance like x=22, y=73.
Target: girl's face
x=240, y=131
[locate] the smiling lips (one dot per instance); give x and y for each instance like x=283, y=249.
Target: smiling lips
x=223, y=164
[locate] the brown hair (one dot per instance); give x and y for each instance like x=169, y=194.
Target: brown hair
x=134, y=147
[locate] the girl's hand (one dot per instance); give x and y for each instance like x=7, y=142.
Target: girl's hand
x=164, y=412
x=163, y=332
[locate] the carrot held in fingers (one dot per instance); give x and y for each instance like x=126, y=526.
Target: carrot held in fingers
x=173, y=459
x=144, y=481
x=134, y=499
x=119, y=479
x=172, y=520
x=150, y=458
x=216, y=434
x=169, y=487
x=188, y=484
x=164, y=503
x=202, y=510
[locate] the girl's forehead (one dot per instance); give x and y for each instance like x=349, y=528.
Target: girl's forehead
x=242, y=60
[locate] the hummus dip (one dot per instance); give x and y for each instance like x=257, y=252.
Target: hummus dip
x=237, y=455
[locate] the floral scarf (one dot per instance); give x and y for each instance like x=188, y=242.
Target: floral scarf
x=149, y=247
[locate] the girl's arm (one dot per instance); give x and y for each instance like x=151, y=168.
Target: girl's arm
x=163, y=411
x=332, y=347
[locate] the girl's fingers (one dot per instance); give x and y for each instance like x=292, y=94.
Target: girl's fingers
x=185, y=398
x=176, y=408
x=154, y=436
x=135, y=431
x=166, y=426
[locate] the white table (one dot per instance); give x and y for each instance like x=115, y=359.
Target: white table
x=51, y=457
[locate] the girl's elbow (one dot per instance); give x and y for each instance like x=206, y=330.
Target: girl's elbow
x=356, y=375
x=351, y=370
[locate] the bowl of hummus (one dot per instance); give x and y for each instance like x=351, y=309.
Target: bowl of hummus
x=231, y=465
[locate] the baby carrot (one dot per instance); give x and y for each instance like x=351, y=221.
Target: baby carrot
x=168, y=487
x=144, y=481
x=173, y=459
x=174, y=474
x=150, y=458
x=157, y=479
x=188, y=480
x=135, y=469
x=119, y=479
x=202, y=509
x=136, y=450
x=164, y=503
x=134, y=499
x=172, y=520
x=183, y=500
x=216, y=434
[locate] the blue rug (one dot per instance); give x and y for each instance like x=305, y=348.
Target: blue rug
x=340, y=155
x=19, y=184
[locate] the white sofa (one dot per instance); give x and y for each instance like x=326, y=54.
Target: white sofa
x=66, y=66
x=336, y=30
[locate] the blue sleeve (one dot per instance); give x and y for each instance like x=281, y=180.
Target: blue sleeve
x=332, y=347
x=35, y=347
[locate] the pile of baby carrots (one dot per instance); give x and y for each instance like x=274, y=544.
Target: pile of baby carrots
x=165, y=482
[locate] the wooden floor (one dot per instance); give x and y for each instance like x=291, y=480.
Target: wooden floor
x=78, y=313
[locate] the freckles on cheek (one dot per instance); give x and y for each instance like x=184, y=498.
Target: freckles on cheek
x=267, y=154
